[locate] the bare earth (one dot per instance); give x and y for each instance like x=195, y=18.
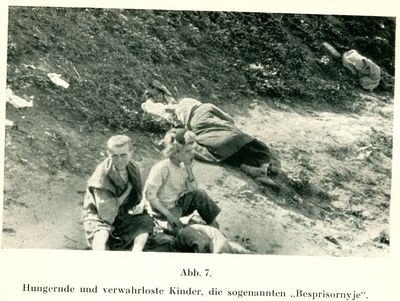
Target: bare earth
x=48, y=162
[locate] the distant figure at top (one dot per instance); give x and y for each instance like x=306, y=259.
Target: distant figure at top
x=115, y=216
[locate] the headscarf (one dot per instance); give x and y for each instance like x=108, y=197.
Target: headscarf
x=183, y=109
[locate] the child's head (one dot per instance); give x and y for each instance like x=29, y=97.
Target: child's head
x=119, y=150
x=119, y=141
x=180, y=144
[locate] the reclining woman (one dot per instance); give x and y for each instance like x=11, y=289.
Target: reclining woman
x=171, y=187
x=222, y=141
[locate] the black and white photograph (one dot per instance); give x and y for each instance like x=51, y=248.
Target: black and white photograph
x=224, y=132
x=221, y=150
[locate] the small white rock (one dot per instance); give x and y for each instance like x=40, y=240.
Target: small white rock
x=17, y=101
x=56, y=79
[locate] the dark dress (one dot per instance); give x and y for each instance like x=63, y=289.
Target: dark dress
x=215, y=131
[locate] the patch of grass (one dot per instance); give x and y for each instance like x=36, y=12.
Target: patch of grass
x=110, y=57
x=340, y=177
x=339, y=152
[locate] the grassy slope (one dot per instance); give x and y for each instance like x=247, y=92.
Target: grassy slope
x=111, y=56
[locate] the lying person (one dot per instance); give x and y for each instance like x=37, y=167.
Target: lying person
x=171, y=188
x=221, y=141
x=114, y=215
x=198, y=238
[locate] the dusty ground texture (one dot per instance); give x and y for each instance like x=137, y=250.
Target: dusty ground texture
x=42, y=204
x=338, y=143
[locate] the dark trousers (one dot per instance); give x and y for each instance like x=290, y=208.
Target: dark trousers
x=254, y=153
x=199, y=200
x=126, y=228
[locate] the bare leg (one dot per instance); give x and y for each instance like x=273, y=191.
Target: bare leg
x=267, y=181
x=100, y=240
x=140, y=242
x=261, y=175
x=253, y=171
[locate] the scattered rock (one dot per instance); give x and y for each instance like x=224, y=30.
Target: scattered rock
x=298, y=199
x=9, y=123
x=364, y=153
x=256, y=67
x=161, y=87
x=325, y=60
x=17, y=101
x=29, y=66
x=383, y=238
x=23, y=161
x=9, y=230
x=331, y=50
x=332, y=240
x=194, y=87
x=57, y=80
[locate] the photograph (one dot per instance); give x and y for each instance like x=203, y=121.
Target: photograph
x=263, y=132
x=198, y=131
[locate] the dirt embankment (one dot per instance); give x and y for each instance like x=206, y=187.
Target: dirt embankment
x=340, y=152
x=336, y=150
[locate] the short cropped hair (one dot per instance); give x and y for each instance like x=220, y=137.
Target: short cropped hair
x=119, y=141
x=175, y=140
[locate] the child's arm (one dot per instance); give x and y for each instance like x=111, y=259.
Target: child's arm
x=151, y=196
